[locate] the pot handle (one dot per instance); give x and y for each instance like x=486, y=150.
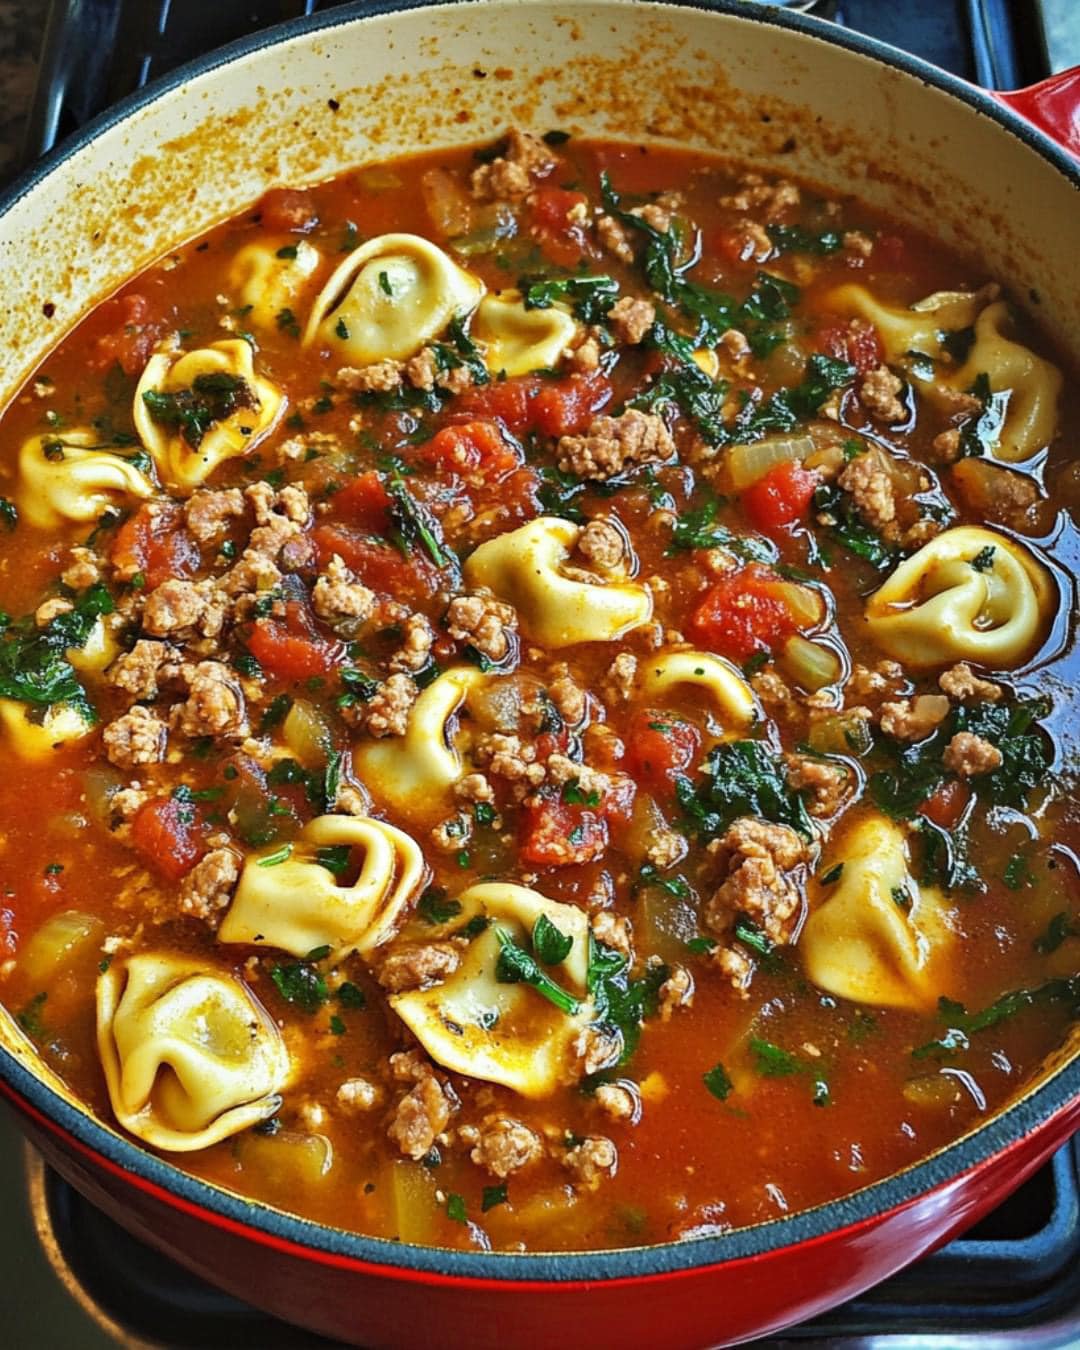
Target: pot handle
x=1052, y=105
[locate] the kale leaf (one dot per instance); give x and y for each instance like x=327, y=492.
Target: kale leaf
x=741, y=778
x=697, y=529
x=33, y=662
x=848, y=528
x=590, y=298
x=622, y=1002
x=962, y=1024
x=213, y=396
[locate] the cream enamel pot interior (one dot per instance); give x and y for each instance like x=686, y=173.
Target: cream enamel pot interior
x=305, y=101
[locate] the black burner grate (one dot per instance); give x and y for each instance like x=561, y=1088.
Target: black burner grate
x=1016, y=1277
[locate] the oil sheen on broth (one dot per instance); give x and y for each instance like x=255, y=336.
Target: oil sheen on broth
x=536, y=686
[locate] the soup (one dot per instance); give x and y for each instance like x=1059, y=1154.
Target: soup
x=537, y=691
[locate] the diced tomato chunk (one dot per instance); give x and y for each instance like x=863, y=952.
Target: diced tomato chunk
x=946, y=805
x=473, y=450
x=154, y=543
x=293, y=649
x=856, y=342
x=555, y=834
x=563, y=240
x=133, y=329
x=507, y=401
x=364, y=502
x=739, y=617
x=890, y=252
x=659, y=747
x=377, y=565
x=288, y=209
x=170, y=835
x=517, y=496
x=780, y=497
x=730, y=245
x=566, y=407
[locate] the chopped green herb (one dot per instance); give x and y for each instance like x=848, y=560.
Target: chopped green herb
x=622, y=1002
x=718, y=1083
x=334, y=857
x=34, y=667
x=288, y=251
x=963, y=1024
x=771, y=1061
x=279, y=855
x=337, y=1026
x=701, y=946
x=550, y=945
x=1060, y=927
x=589, y=297
x=493, y=1195
x=741, y=778
x=275, y=712
x=648, y=875
x=434, y=907
x=29, y=1017
x=572, y=795
x=287, y=322
x=833, y=875
x=796, y=239
x=984, y=559
x=350, y=995
x=213, y=396
x=455, y=1205
x=301, y=984
x=516, y=965
x=698, y=529
x=384, y=284
x=9, y=513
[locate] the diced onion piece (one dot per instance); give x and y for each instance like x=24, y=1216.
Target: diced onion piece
x=415, y=1208
x=448, y=204
x=307, y=734
x=378, y=178
x=805, y=604
x=102, y=782
x=58, y=942
x=747, y=463
x=288, y=1162
x=810, y=664
x=932, y=1092
x=842, y=733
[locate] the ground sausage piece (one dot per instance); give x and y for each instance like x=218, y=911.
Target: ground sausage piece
x=83, y=569
x=772, y=198
x=569, y=698
x=338, y=594
x=379, y=378
x=969, y=755
x=418, y=964
x=613, y=930
x=135, y=673
x=138, y=737
x=184, y=607
x=51, y=609
x=760, y=859
x=630, y=319
x=677, y=991
x=386, y=713
x=601, y=545
x=214, y=706
x=208, y=887
x=591, y=1161
x=510, y=758
x=413, y=653
x=207, y=513
x=962, y=684
x=878, y=393
x=618, y=683
x=868, y=481
x=483, y=622
x=613, y=237
x=665, y=848
x=425, y=371
x=616, y=1101
x=358, y=1094
x=598, y=1047
x=946, y=445
x=914, y=719
x=511, y=175
x=615, y=443
x=827, y=783
x=505, y=1146
x=424, y=1112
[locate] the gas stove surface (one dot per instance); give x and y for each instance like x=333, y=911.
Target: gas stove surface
x=75, y=1279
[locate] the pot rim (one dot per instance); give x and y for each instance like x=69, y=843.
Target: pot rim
x=263, y=1224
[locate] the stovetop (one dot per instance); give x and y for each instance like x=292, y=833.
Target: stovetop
x=1012, y=1282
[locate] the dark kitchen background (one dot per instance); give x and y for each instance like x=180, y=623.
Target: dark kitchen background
x=70, y=1279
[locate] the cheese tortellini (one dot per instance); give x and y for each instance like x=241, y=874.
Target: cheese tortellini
x=878, y=937
x=506, y=1033
x=270, y=277
x=525, y=568
x=413, y=773
x=64, y=478
x=388, y=298
x=729, y=694
x=31, y=737
x=918, y=329
x=517, y=340
x=190, y=1055
x=235, y=408
x=970, y=594
x=298, y=904
x=1032, y=384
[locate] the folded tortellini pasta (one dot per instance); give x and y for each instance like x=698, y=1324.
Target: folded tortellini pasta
x=32, y=737
x=194, y=410
x=190, y=1055
x=388, y=298
x=414, y=773
x=970, y=594
x=505, y=1032
x=517, y=340
x=729, y=696
x=269, y=277
x=525, y=567
x=299, y=904
x=100, y=648
x=878, y=937
x=1032, y=384
x=62, y=478
x=916, y=330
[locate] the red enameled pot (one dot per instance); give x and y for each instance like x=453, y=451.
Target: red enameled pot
x=994, y=176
